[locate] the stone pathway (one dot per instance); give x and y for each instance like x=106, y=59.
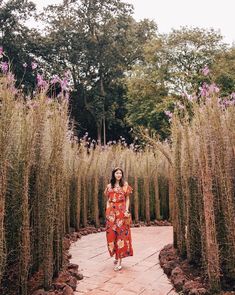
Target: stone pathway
x=141, y=274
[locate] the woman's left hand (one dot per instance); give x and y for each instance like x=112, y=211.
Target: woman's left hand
x=126, y=214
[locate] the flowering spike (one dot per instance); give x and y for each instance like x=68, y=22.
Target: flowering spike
x=40, y=81
x=4, y=67
x=205, y=71
x=34, y=65
x=168, y=113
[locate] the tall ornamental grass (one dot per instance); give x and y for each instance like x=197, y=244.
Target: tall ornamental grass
x=203, y=168
x=51, y=181
x=34, y=185
x=146, y=172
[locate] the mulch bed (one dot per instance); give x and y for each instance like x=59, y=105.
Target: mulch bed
x=186, y=278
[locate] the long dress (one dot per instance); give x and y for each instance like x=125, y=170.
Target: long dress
x=118, y=232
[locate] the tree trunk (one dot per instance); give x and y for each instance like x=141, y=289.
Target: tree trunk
x=99, y=130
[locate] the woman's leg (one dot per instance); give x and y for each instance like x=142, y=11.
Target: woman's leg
x=119, y=261
x=119, y=265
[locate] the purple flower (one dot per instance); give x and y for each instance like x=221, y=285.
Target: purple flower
x=40, y=81
x=34, y=65
x=213, y=88
x=4, y=67
x=25, y=65
x=227, y=102
x=205, y=71
x=204, y=90
x=168, y=113
x=64, y=84
x=10, y=77
x=55, y=79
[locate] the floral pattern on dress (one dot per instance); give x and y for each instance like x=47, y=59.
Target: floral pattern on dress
x=118, y=233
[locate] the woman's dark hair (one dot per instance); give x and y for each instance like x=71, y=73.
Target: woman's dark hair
x=113, y=179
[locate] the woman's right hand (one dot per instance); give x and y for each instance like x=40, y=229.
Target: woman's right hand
x=126, y=214
x=107, y=208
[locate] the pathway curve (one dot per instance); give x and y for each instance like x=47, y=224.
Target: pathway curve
x=141, y=273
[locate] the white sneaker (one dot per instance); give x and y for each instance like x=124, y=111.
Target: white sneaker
x=117, y=267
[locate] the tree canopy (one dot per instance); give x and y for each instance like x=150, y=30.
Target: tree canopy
x=123, y=72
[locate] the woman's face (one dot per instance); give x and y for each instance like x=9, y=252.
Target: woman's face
x=118, y=174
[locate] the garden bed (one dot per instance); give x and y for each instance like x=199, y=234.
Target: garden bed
x=186, y=278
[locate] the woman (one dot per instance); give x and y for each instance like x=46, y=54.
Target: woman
x=118, y=231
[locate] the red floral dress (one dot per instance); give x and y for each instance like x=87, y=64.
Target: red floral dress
x=118, y=232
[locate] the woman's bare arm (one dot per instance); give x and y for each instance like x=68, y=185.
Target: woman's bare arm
x=105, y=193
x=127, y=203
x=127, y=197
x=107, y=204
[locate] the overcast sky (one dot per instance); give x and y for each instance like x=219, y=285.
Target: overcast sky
x=168, y=14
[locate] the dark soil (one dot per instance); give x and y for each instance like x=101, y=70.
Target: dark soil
x=186, y=278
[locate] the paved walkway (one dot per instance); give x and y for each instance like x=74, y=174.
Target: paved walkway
x=140, y=274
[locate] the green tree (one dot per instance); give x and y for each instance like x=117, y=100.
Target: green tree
x=172, y=65
x=189, y=50
x=147, y=90
x=17, y=39
x=98, y=41
x=223, y=71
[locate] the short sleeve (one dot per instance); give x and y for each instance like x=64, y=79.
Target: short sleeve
x=129, y=191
